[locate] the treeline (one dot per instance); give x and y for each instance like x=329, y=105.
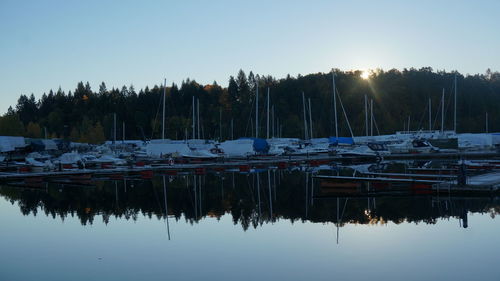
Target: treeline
x=87, y=115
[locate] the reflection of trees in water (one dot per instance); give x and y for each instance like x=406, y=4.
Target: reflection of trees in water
x=193, y=198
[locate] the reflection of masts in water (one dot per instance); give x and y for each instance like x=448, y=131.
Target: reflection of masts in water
x=370, y=202
x=339, y=218
x=199, y=193
x=270, y=195
x=222, y=187
x=312, y=190
x=116, y=194
x=464, y=218
x=452, y=208
x=195, y=197
x=166, y=206
x=307, y=192
x=274, y=184
x=258, y=194
x=337, y=224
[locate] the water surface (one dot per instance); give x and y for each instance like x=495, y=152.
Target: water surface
x=271, y=225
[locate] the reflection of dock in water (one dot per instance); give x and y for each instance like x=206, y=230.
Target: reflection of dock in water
x=372, y=183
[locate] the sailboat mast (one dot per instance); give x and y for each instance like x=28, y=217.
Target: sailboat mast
x=114, y=128
x=257, y=109
x=335, y=105
x=409, y=119
x=194, y=132
x=278, y=127
x=486, y=122
x=442, y=112
x=163, y=119
x=430, y=115
x=272, y=120
x=304, y=111
x=366, y=115
x=198, y=115
x=267, y=135
x=310, y=120
x=455, y=109
x=371, y=117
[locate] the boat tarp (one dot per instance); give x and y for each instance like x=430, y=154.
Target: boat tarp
x=496, y=138
x=475, y=140
x=70, y=158
x=163, y=149
x=319, y=140
x=42, y=144
x=8, y=143
x=200, y=144
x=259, y=145
x=238, y=148
x=341, y=140
x=126, y=142
x=49, y=144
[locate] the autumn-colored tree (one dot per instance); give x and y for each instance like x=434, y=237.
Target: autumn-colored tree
x=33, y=130
x=11, y=125
x=74, y=135
x=95, y=135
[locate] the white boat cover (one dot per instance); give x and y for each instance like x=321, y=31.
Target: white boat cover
x=477, y=141
x=111, y=159
x=11, y=143
x=49, y=144
x=201, y=144
x=76, y=145
x=159, y=149
x=70, y=158
x=320, y=141
x=200, y=153
x=237, y=148
x=34, y=162
x=127, y=142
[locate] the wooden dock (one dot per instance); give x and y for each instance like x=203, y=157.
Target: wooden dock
x=149, y=170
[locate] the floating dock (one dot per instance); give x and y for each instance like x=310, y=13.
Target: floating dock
x=148, y=171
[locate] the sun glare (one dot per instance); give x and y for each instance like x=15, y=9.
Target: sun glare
x=365, y=74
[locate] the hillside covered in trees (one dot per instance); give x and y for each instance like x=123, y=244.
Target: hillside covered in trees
x=86, y=115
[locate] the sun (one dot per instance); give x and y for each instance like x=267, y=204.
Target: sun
x=365, y=74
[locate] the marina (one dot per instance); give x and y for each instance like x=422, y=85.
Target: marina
x=249, y=140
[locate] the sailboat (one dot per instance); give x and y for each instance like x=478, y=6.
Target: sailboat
x=166, y=148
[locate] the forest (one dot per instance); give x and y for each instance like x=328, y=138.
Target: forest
x=400, y=102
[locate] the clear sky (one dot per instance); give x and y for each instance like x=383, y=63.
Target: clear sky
x=47, y=44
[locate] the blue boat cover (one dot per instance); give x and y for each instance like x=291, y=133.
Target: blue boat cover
x=259, y=145
x=341, y=140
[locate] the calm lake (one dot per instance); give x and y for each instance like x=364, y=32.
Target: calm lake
x=267, y=225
